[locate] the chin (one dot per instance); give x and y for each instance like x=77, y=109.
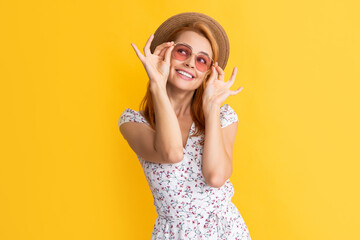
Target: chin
x=183, y=85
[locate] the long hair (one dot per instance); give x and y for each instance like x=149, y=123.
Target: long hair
x=197, y=114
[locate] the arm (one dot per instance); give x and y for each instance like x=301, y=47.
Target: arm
x=218, y=148
x=168, y=140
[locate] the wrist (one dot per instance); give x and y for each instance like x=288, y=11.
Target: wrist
x=210, y=108
x=156, y=87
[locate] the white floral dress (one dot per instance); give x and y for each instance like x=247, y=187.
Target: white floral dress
x=187, y=207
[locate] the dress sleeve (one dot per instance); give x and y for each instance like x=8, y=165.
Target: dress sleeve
x=227, y=115
x=130, y=115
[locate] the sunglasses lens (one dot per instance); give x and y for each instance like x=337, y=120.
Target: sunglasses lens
x=203, y=62
x=182, y=52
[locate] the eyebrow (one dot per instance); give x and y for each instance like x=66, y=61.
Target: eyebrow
x=192, y=49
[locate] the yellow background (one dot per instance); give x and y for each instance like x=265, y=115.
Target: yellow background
x=68, y=71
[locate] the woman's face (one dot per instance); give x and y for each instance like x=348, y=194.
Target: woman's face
x=198, y=44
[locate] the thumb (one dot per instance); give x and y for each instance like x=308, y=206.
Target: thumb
x=168, y=54
x=212, y=75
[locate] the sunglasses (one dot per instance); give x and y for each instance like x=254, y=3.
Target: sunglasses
x=182, y=51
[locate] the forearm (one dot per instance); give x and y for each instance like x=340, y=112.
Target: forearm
x=168, y=140
x=216, y=164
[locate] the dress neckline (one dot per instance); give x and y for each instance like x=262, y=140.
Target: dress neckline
x=190, y=130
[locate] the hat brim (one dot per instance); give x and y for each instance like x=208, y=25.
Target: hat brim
x=183, y=19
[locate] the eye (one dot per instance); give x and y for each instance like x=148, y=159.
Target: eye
x=183, y=51
x=202, y=60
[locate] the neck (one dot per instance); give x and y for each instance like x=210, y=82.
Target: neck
x=180, y=100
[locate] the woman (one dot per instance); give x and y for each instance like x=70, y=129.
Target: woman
x=188, y=171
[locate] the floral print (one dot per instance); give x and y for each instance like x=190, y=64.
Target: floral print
x=187, y=207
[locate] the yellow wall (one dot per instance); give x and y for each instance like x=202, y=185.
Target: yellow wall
x=68, y=71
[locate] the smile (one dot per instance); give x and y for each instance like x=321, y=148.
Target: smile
x=184, y=75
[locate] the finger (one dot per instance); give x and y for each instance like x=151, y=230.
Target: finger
x=147, y=46
x=220, y=71
x=236, y=91
x=213, y=75
x=216, y=73
x=138, y=53
x=232, y=78
x=163, y=51
x=168, y=54
x=159, y=49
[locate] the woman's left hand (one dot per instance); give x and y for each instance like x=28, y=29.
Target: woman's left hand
x=216, y=89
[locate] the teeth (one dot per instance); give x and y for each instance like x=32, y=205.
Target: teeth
x=185, y=74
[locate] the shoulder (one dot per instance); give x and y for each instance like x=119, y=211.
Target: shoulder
x=130, y=115
x=227, y=115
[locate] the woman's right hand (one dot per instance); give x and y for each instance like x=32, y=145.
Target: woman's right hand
x=157, y=65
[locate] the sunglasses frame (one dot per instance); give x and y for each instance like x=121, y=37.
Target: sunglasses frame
x=192, y=52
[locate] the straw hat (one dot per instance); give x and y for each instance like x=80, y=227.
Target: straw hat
x=183, y=19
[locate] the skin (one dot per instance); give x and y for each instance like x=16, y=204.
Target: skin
x=180, y=91
x=161, y=68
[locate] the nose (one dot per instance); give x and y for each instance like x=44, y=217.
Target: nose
x=190, y=62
